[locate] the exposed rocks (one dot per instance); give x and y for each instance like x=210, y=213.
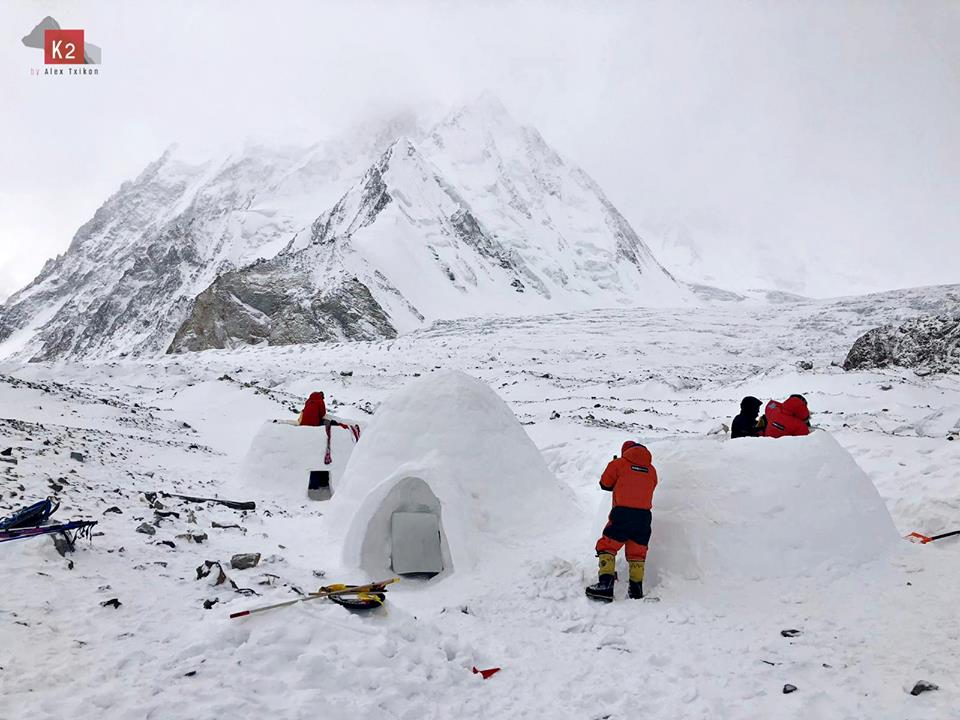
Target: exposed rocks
x=112, y=602
x=927, y=344
x=788, y=688
x=805, y=365
x=220, y=577
x=76, y=456
x=790, y=633
x=234, y=526
x=923, y=686
x=206, y=569
x=244, y=561
x=276, y=303
x=147, y=529
x=193, y=537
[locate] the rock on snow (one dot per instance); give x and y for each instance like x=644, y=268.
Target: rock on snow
x=927, y=344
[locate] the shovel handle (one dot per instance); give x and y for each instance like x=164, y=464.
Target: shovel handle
x=944, y=535
x=923, y=539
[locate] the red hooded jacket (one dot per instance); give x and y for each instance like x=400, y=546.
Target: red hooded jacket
x=313, y=410
x=787, y=418
x=631, y=477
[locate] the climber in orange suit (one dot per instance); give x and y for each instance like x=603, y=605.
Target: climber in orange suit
x=632, y=479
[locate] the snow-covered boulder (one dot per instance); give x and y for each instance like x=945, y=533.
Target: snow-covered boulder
x=281, y=456
x=930, y=343
x=759, y=508
x=447, y=444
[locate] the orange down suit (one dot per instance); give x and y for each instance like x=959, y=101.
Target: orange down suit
x=632, y=479
x=314, y=410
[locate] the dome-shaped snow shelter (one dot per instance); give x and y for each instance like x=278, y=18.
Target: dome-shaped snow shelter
x=282, y=456
x=444, y=478
x=759, y=508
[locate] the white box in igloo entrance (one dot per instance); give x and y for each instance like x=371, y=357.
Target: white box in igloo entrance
x=447, y=445
x=415, y=546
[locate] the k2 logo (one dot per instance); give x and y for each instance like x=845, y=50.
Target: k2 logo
x=63, y=47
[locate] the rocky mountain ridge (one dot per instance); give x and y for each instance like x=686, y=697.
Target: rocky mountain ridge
x=476, y=215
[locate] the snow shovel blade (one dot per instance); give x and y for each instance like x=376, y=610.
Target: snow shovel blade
x=362, y=600
x=322, y=593
x=340, y=589
x=923, y=539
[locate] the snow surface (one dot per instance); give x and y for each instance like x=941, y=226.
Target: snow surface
x=873, y=622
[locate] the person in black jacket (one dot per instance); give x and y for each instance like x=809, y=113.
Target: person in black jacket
x=745, y=424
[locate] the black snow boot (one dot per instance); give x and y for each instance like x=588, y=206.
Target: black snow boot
x=603, y=590
x=635, y=590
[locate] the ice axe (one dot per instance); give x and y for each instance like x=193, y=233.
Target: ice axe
x=329, y=593
x=916, y=537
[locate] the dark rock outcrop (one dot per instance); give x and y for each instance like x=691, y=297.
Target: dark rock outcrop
x=262, y=306
x=928, y=344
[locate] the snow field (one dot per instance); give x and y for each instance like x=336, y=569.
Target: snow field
x=710, y=648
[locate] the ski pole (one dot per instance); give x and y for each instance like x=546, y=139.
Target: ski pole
x=20, y=533
x=371, y=587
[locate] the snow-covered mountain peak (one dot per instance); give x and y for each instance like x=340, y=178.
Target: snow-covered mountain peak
x=486, y=113
x=380, y=230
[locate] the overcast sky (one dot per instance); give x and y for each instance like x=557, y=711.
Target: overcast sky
x=831, y=128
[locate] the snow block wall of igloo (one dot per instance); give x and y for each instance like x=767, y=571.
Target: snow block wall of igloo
x=448, y=444
x=759, y=508
x=281, y=457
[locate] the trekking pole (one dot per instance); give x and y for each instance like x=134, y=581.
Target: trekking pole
x=916, y=537
x=371, y=587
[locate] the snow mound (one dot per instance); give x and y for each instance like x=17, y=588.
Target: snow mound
x=281, y=456
x=757, y=508
x=447, y=444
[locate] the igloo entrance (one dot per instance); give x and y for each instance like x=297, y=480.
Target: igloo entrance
x=405, y=533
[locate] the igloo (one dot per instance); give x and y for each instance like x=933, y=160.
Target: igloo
x=445, y=463
x=282, y=456
x=759, y=508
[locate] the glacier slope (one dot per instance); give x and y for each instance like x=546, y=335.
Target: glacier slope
x=580, y=385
